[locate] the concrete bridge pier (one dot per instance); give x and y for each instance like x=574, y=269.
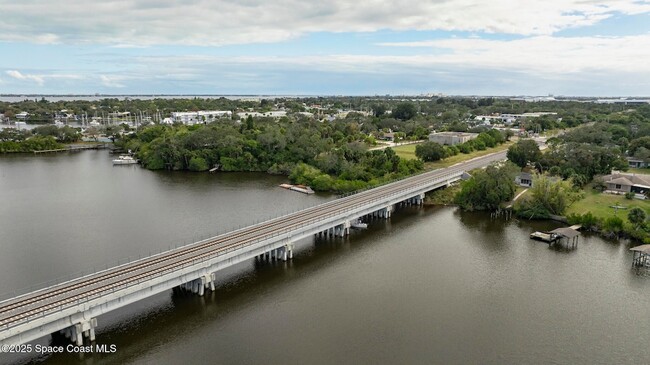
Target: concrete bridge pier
x=419, y=199
x=287, y=252
x=343, y=229
x=386, y=212
x=78, y=331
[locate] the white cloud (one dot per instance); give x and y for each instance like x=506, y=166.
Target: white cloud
x=544, y=54
x=541, y=55
x=220, y=22
x=19, y=76
x=112, y=81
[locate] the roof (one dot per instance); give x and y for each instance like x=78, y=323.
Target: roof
x=621, y=181
x=458, y=134
x=525, y=175
x=630, y=179
x=566, y=232
x=642, y=248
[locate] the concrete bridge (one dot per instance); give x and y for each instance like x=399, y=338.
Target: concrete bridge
x=72, y=307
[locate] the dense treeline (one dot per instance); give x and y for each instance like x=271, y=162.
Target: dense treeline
x=35, y=143
x=38, y=139
x=327, y=156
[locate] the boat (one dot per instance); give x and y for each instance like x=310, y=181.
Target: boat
x=544, y=236
x=359, y=225
x=299, y=188
x=125, y=160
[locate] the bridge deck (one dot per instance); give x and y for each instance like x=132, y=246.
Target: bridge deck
x=46, y=301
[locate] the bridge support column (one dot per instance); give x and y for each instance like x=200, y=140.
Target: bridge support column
x=287, y=252
x=78, y=331
x=387, y=211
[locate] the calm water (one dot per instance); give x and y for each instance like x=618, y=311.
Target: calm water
x=429, y=286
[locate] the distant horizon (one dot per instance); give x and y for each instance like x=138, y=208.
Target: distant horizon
x=431, y=95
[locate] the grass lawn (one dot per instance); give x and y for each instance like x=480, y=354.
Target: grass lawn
x=600, y=205
x=638, y=171
x=406, y=151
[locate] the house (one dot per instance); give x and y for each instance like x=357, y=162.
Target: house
x=22, y=115
x=451, y=138
x=389, y=136
x=524, y=179
x=620, y=183
x=636, y=163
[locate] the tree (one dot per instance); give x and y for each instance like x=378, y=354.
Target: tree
x=488, y=188
x=378, y=110
x=636, y=216
x=638, y=143
x=429, y=151
x=547, y=196
x=523, y=152
x=599, y=184
x=404, y=111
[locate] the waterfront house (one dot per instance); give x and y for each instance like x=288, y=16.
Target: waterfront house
x=621, y=183
x=524, y=179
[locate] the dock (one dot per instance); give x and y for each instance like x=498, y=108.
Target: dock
x=569, y=234
x=641, y=257
x=74, y=148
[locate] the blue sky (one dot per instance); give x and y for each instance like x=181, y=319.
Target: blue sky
x=330, y=47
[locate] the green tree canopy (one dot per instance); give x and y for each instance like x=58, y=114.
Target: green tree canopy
x=429, y=151
x=523, y=152
x=636, y=216
x=488, y=188
x=405, y=111
x=547, y=196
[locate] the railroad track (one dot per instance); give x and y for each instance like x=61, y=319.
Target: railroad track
x=58, y=296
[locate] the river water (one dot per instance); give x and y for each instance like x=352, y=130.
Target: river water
x=431, y=285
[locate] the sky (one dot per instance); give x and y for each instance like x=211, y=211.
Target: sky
x=326, y=47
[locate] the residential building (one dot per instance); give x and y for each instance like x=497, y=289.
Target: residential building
x=620, y=183
x=451, y=138
x=271, y=114
x=636, y=163
x=524, y=179
x=200, y=116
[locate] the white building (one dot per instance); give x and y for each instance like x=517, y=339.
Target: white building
x=271, y=114
x=202, y=116
x=22, y=115
x=451, y=138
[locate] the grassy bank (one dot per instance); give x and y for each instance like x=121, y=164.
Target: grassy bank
x=442, y=196
x=408, y=152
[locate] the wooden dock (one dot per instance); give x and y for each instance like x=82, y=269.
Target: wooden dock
x=569, y=234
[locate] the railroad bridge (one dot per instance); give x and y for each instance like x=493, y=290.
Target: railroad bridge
x=72, y=307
